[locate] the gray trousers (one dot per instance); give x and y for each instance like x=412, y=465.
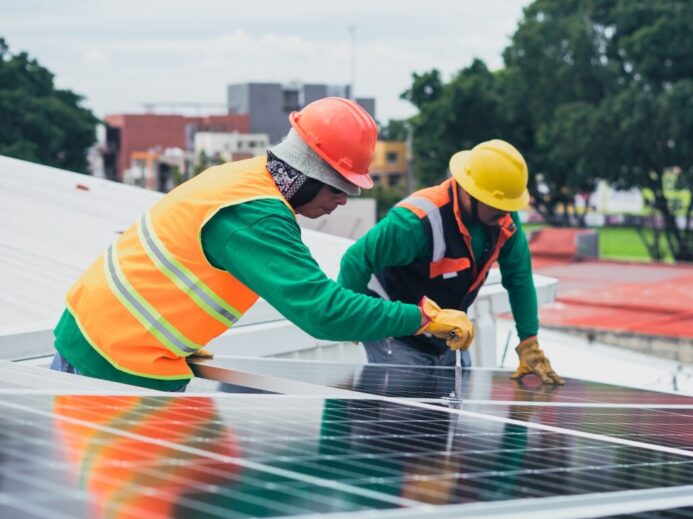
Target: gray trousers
x=60, y=363
x=393, y=351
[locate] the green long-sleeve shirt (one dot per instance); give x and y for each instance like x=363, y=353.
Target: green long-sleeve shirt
x=259, y=243
x=400, y=239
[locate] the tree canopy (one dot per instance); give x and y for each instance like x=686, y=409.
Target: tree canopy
x=591, y=90
x=39, y=122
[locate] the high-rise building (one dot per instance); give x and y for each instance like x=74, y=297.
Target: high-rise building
x=268, y=105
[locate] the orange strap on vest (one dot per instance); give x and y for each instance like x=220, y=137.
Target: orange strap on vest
x=426, y=203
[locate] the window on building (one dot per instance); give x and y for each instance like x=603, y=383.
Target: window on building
x=393, y=180
x=392, y=157
x=291, y=102
x=112, y=138
x=376, y=179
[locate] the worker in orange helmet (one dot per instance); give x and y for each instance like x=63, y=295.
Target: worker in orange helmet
x=441, y=241
x=195, y=262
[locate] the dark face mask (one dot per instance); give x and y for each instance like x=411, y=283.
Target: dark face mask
x=308, y=190
x=297, y=188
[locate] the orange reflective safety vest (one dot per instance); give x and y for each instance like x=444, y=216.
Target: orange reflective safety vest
x=153, y=298
x=451, y=275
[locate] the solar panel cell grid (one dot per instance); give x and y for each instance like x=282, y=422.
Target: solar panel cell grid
x=668, y=427
x=261, y=456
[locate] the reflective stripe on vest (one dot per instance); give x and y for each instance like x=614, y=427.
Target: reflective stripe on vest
x=438, y=237
x=184, y=279
x=433, y=214
x=141, y=310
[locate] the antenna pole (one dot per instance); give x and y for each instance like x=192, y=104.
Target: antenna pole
x=352, y=32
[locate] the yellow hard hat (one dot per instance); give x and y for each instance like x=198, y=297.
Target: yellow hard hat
x=494, y=173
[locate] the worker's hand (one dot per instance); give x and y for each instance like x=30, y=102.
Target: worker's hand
x=452, y=325
x=533, y=360
x=202, y=353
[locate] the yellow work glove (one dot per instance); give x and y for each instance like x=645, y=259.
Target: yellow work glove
x=452, y=325
x=533, y=360
x=201, y=354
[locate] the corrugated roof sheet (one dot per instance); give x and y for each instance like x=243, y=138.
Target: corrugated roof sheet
x=55, y=223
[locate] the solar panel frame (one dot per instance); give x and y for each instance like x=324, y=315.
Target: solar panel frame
x=417, y=444
x=421, y=382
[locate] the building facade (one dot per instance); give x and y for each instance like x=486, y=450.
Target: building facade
x=389, y=166
x=268, y=105
x=130, y=133
x=230, y=146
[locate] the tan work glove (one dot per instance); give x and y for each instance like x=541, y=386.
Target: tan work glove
x=533, y=360
x=202, y=353
x=452, y=325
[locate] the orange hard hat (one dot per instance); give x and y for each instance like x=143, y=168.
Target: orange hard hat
x=342, y=133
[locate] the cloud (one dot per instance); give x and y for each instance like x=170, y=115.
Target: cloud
x=170, y=50
x=94, y=56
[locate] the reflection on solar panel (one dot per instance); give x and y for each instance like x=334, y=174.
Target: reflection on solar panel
x=259, y=456
x=668, y=427
x=514, y=450
x=434, y=382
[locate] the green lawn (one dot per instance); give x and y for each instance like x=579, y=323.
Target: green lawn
x=616, y=243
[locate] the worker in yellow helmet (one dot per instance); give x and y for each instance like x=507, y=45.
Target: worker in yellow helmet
x=441, y=241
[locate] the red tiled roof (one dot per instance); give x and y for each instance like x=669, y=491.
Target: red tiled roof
x=646, y=298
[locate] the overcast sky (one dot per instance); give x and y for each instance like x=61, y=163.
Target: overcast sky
x=120, y=54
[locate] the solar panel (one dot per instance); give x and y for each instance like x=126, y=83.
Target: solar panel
x=270, y=455
x=21, y=378
x=669, y=427
x=674, y=513
x=429, y=382
x=278, y=455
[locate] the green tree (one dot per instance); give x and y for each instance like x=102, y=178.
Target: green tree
x=38, y=122
x=395, y=130
x=202, y=163
x=554, y=83
x=385, y=198
x=652, y=110
x=452, y=116
x=591, y=89
x=607, y=90
x=570, y=146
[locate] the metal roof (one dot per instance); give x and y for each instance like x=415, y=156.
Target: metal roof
x=55, y=223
